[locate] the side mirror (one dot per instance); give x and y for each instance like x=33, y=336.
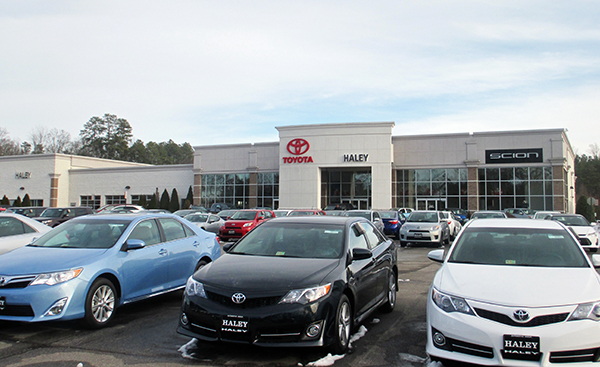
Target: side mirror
x=228, y=246
x=261, y=218
x=436, y=255
x=134, y=244
x=361, y=254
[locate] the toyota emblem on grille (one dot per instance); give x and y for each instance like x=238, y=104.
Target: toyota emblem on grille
x=238, y=298
x=521, y=315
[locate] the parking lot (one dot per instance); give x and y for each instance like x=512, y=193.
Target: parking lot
x=143, y=334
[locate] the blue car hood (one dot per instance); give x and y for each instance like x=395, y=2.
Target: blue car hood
x=33, y=260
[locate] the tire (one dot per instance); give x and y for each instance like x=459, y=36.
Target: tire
x=200, y=264
x=343, y=326
x=100, y=304
x=392, y=290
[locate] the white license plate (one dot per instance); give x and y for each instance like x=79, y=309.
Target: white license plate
x=233, y=324
x=231, y=231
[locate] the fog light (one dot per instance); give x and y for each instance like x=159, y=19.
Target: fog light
x=57, y=307
x=184, y=319
x=439, y=339
x=313, y=330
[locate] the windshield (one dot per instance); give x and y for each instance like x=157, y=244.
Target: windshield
x=571, y=221
x=423, y=217
x=197, y=217
x=52, y=213
x=388, y=215
x=487, y=215
x=84, y=233
x=318, y=241
x=518, y=247
x=241, y=215
x=366, y=215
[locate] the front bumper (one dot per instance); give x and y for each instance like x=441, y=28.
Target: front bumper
x=280, y=325
x=30, y=303
x=421, y=236
x=480, y=340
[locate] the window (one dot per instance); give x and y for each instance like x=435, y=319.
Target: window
x=172, y=228
x=357, y=240
x=146, y=231
x=12, y=226
x=115, y=199
x=92, y=201
x=372, y=234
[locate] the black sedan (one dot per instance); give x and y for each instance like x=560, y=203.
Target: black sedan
x=293, y=281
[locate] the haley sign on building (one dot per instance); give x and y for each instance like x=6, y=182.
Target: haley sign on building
x=298, y=147
x=504, y=156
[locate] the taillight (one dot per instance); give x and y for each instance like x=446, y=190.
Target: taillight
x=393, y=221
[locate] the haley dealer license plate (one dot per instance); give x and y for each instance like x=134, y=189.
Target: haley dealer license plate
x=234, y=324
x=521, y=347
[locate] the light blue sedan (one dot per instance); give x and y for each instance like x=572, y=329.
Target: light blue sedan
x=87, y=267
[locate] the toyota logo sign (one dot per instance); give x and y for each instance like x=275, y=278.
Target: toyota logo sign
x=521, y=315
x=298, y=146
x=238, y=298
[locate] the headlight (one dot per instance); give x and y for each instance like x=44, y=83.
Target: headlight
x=307, y=295
x=451, y=303
x=194, y=288
x=590, y=311
x=56, y=278
x=436, y=228
x=249, y=224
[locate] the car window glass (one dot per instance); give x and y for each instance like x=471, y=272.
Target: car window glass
x=372, y=234
x=188, y=231
x=518, y=247
x=11, y=226
x=146, y=231
x=357, y=238
x=84, y=234
x=172, y=228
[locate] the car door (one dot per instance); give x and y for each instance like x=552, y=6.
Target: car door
x=212, y=224
x=183, y=248
x=145, y=269
x=362, y=272
x=380, y=247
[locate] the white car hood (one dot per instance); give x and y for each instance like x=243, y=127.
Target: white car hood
x=519, y=286
x=582, y=230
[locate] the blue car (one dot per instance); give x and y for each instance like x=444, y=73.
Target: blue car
x=392, y=221
x=87, y=267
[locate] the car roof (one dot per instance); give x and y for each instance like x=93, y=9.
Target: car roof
x=320, y=219
x=515, y=223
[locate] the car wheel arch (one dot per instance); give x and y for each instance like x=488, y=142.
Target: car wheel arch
x=113, y=279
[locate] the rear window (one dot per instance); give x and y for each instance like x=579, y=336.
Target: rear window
x=518, y=247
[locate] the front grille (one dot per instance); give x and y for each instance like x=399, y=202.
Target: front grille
x=572, y=356
x=418, y=231
x=249, y=303
x=17, y=310
x=536, y=321
x=18, y=282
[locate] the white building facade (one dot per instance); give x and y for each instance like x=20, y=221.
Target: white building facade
x=312, y=166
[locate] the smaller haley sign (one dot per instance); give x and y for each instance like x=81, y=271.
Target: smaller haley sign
x=356, y=157
x=23, y=175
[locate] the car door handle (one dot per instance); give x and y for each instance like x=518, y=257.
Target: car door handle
x=162, y=252
x=196, y=244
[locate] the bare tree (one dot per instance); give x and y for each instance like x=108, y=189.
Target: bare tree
x=51, y=141
x=595, y=150
x=7, y=145
x=38, y=139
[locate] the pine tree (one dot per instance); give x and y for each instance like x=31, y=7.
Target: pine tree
x=17, y=202
x=174, y=203
x=153, y=202
x=5, y=201
x=164, y=200
x=143, y=203
x=26, y=200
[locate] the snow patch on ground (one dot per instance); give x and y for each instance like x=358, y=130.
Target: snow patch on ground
x=328, y=360
x=359, y=334
x=186, y=349
x=375, y=321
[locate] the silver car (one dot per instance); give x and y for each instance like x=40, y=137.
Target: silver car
x=208, y=222
x=425, y=226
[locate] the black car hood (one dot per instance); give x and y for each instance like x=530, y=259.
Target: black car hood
x=247, y=272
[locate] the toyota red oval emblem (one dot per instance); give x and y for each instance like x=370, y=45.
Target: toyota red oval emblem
x=298, y=146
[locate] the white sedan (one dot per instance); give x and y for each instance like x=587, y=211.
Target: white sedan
x=514, y=292
x=18, y=230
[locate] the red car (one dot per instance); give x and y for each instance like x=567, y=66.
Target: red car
x=242, y=222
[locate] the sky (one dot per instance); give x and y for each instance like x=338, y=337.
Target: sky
x=228, y=72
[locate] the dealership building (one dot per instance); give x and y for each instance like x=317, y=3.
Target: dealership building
x=312, y=166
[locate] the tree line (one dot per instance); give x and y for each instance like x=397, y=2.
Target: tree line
x=108, y=137
x=587, y=184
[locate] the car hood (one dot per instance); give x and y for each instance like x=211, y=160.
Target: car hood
x=421, y=225
x=582, y=230
x=519, y=286
x=33, y=260
x=247, y=272
x=236, y=223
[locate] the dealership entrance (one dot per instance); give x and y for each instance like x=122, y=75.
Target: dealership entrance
x=344, y=186
x=431, y=204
